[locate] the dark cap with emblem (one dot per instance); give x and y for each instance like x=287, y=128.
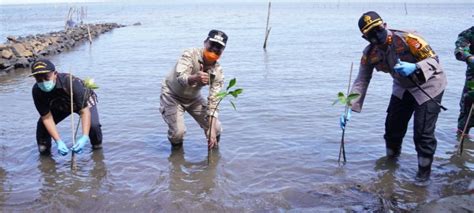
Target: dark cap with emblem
x=42, y=66
x=218, y=37
x=368, y=21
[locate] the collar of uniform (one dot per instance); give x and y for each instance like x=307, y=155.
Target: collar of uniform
x=61, y=79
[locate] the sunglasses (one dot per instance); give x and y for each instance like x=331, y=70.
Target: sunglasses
x=373, y=32
x=215, y=47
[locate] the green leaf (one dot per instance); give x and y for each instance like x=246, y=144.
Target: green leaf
x=342, y=98
x=233, y=105
x=231, y=83
x=89, y=83
x=221, y=95
x=352, y=96
x=235, y=93
x=470, y=85
x=238, y=91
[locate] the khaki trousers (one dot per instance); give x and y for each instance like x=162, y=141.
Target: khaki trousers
x=172, y=109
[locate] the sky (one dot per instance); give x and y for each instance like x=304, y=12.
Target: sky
x=85, y=1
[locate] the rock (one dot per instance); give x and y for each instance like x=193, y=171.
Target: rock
x=12, y=38
x=20, y=50
x=455, y=203
x=7, y=54
x=137, y=24
x=5, y=64
x=3, y=46
x=22, y=63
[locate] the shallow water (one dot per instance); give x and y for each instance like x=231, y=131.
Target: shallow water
x=278, y=151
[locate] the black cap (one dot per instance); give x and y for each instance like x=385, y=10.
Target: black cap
x=217, y=36
x=368, y=21
x=42, y=66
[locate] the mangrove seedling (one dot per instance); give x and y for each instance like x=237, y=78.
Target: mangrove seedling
x=347, y=102
x=221, y=96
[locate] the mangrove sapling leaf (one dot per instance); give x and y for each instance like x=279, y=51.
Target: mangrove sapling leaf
x=351, y=97
x=231, y=84
x=89, y=83
x=341, y=98
x=221, y=95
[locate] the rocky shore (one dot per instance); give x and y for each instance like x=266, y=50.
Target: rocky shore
x=21, y=51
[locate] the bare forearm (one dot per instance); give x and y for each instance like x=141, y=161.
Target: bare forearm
x=50, y=125
x=86, y=120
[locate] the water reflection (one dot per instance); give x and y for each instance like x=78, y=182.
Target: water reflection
x=60, y=186
x=3, y=190
x=49, y=175
x=99, y=169
x=396, y=188
x=194, y=178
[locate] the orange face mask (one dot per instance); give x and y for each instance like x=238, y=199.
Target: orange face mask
x=210, y=56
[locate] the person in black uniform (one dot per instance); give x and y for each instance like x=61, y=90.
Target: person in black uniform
x=52, y=98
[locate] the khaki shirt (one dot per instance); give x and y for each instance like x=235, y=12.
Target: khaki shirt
x=407, y=47
x=191, y=62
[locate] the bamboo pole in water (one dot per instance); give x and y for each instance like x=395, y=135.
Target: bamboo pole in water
x=342, y=149
x=73, y=160
x=461, y=140
x=267, y=30
x=67, y=18
x=406, y=10
x=89, y=32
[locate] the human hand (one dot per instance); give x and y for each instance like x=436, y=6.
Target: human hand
x=212, y=142
x=62, y=148
x=201, y=78
x=404, y=68
x=80, y=143
x=344, y=119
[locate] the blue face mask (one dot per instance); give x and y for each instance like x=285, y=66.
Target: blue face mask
x=47, y=86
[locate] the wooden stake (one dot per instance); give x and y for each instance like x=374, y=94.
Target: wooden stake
x=342, y=149
x=67, y=18
x=461, y=140
x=406, y=10
x=73, y=160
x=89, y=32
x=267, y=30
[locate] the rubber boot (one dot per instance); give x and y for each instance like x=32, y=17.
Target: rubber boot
x=392, y=153
x=44, y=149
x=424, y=169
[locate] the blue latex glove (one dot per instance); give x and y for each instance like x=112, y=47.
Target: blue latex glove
x=80, y=143
x=404, y=68
x=62, y=148
x=343, y=121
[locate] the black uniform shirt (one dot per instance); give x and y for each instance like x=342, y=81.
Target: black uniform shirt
x=59, y=98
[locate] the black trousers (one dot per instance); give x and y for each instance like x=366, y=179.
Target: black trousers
x=95, y=133
x=399, y=113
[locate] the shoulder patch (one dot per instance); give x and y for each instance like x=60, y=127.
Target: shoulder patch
x=419, y=47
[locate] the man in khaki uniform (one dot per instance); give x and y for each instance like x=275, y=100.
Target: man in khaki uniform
x=181, y=90
x=409, y=59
